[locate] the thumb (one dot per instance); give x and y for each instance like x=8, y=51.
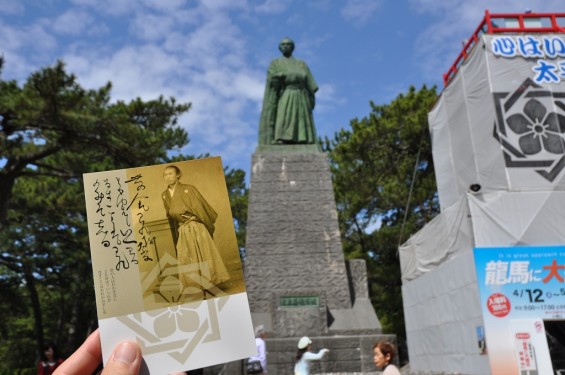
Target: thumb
x=125, y=360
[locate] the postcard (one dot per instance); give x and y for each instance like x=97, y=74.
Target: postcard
x=166, y=265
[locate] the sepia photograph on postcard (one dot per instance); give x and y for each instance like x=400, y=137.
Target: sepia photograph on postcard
x=166, y=264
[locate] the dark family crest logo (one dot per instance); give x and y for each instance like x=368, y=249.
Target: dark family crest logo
x=530, y=127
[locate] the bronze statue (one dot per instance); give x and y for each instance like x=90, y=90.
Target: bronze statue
x=286, y=116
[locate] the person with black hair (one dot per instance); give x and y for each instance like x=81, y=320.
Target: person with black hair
x=49, y=361
x=192, y=221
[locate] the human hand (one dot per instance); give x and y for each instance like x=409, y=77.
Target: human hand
x=124, y=360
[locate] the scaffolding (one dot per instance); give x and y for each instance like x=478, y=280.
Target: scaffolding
x=507, y=23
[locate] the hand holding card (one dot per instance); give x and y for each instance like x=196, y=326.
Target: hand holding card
x=166, y=265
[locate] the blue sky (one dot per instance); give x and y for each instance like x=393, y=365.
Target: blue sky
x=214, y=54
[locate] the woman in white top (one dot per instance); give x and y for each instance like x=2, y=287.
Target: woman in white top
x=384, y=354
x=304, y=356
x=260, y=336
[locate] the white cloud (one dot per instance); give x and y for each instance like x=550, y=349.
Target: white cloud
x=174, y=42
x=151, y=27
x=223, y=5
x=80, y=65
x=16, y=43
x=217, y=42
x=143, y=71
x=11, y=7
x=73, y=22
x=214, y=123
x=112, y=7
x=15, y=67
x=204, y=65
x=10, y=38
x=360, y=11
x=321, y=5
x=166, y=6
x=272, y=6
x=198, y=55
x=327, y=98
x=249, y=86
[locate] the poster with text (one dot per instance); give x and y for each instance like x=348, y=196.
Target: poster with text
x=166, y=265
x=522, y=290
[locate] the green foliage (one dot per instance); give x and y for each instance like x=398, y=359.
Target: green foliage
x=385, y=191
x=239, y=194
x=16, y=329
x=51, y=132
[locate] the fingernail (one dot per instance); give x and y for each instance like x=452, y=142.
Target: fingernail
x=126, y=353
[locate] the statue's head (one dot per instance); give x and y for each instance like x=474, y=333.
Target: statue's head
x=286, y=46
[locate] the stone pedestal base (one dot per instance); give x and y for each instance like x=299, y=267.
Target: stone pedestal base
x=297, y=279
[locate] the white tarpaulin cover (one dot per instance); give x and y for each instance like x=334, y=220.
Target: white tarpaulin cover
x=501, y=120
x=442, y=312
x=498, y=125
x=440, y=240
x=534, y=218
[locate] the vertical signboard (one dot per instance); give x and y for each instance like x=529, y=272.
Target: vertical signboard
x=521, y=289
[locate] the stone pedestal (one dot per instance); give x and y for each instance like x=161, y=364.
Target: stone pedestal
x=297, y=279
